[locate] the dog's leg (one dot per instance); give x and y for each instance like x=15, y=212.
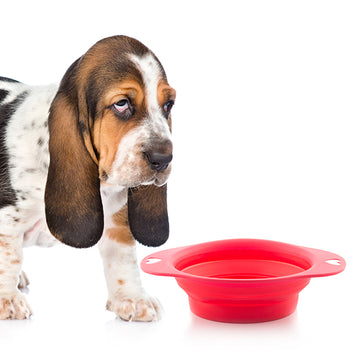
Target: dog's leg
x=23, y=281
x=127, y=298
x=13, y=304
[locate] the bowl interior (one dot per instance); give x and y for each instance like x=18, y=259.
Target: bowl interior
x=227, y=262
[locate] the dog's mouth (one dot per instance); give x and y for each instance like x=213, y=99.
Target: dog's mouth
x=160, y=182
x=157, y=178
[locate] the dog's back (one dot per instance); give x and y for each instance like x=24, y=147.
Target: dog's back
x=24, y=155
x=10, y=98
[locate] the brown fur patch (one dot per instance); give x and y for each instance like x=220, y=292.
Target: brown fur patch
x=121, y=232
x=120, y=235
x=121, y=217
x=165, y=93
x=4, y=244
x=69, y=158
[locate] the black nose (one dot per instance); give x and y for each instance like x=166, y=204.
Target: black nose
x=158, y=161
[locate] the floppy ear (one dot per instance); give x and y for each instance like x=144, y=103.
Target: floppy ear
x=147, y=212
x=73, y=204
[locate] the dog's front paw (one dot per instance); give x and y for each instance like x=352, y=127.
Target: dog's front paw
x=142, y=308
x=14, y=306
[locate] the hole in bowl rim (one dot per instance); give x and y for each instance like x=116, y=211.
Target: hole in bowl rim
x=315, y=260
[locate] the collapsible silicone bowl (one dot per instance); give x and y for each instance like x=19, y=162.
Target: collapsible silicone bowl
x=243, y=280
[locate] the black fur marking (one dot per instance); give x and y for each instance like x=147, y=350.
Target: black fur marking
x=3, y=94
x=148, y=217
x=83, y=128
x=8, y=80
x=7, y=193
x=104, y=176
x=40, y=141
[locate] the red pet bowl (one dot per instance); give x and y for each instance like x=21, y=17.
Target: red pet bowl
x=243, y=280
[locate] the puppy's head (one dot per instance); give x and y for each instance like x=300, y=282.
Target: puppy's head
x=110, y=123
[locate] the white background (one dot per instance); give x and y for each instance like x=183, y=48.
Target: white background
x=266, y=146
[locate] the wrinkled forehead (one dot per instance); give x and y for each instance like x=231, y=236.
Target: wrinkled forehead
x=112, y=63
x=121, y=58
x=129, y=67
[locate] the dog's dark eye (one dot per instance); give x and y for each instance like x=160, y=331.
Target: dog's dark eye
x=168, y=105
x=122, y=105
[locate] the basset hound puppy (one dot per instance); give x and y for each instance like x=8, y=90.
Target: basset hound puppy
x=87, y=162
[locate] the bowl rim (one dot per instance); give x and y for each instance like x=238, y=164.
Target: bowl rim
x=163, y=263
